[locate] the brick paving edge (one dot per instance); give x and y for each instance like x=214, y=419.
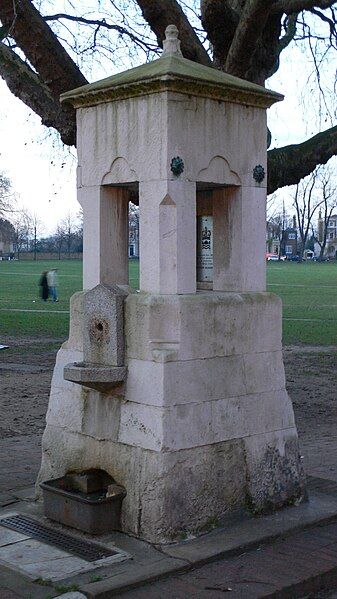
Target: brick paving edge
x=108, y=588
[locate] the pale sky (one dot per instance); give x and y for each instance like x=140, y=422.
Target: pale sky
x=32, y=158
x=42, y=170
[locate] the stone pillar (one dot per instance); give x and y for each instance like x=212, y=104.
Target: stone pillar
x=167, y=236
x=105, y=235
x=239, y=239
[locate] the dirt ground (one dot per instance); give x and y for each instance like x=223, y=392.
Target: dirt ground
x=25, y=376
x=26, y=371
x=311, y=374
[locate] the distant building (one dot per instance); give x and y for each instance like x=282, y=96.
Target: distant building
x=331, y=238
x=134, y=232
x=7, y=236
x=289, y=245
x=281, y=241
x=272, y=237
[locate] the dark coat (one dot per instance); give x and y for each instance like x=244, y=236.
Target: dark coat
x=44, y=287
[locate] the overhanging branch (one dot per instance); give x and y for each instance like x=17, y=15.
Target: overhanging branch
x=41, y=46
x=288, y=165
x=26, y=85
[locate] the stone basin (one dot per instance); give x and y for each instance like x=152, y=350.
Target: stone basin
x=90, y=501
x=95, y=376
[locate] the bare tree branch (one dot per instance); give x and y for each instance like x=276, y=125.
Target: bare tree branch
x=288, y=165
x=41, y=46
x=160, y=13
x=6, y=196
x=291, y=6
x=328, y=193
x=330, y=22
x=290, y=33
x=104, y=24
x=306, y=207
x=26, y=85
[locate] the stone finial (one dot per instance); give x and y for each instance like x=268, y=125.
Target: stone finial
x=171, y=44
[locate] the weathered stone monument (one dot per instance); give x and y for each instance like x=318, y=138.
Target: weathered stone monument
x=177, y=391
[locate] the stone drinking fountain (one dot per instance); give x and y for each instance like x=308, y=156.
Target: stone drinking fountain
x=177, y=391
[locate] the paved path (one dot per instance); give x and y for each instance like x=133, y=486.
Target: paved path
x=284, y=566
x=20, y=462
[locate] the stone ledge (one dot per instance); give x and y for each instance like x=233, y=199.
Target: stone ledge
x=101, y=378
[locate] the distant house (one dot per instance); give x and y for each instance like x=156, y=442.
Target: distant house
x=331, y=238
x=289, y=245
x=283, y=242
x=7, y=236
x=272, y=238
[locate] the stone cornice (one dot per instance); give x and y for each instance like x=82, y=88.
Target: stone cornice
x=172, y=83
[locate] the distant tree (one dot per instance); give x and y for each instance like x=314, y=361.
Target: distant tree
x=77, y=244
x=58, y=238
x=278, y=221
x=36, y=230
x=69, y=234
x=6, y=195
x=310, y=245
x=306, y=204
x=134, y=228
x=69, y=225
x=276, y=225
x=46, y=245
x=22, y=224
x=328, y=191
x=78, y=237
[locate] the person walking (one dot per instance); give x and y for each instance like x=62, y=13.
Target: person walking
x=44, y=286
x=52, y=283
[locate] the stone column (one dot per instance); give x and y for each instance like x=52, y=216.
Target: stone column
x=239, y=239
x=167, y=236
x=105, y=235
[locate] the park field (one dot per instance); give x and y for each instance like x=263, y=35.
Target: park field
x=308, y=291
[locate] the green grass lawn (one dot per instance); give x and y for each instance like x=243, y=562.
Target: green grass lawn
x=309, y=294
x=308, y=291
x=19, y=290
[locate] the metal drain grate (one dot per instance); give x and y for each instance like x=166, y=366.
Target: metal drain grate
x=79, y=547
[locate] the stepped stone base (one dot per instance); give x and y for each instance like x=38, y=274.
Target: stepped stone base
x=205, y=425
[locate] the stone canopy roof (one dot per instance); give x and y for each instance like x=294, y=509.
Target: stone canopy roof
x=172, y=72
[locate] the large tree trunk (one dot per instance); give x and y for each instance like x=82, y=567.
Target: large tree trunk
x=160, y=13
x=245, y=36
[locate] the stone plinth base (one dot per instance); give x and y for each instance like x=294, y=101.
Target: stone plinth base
x=205, y=425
